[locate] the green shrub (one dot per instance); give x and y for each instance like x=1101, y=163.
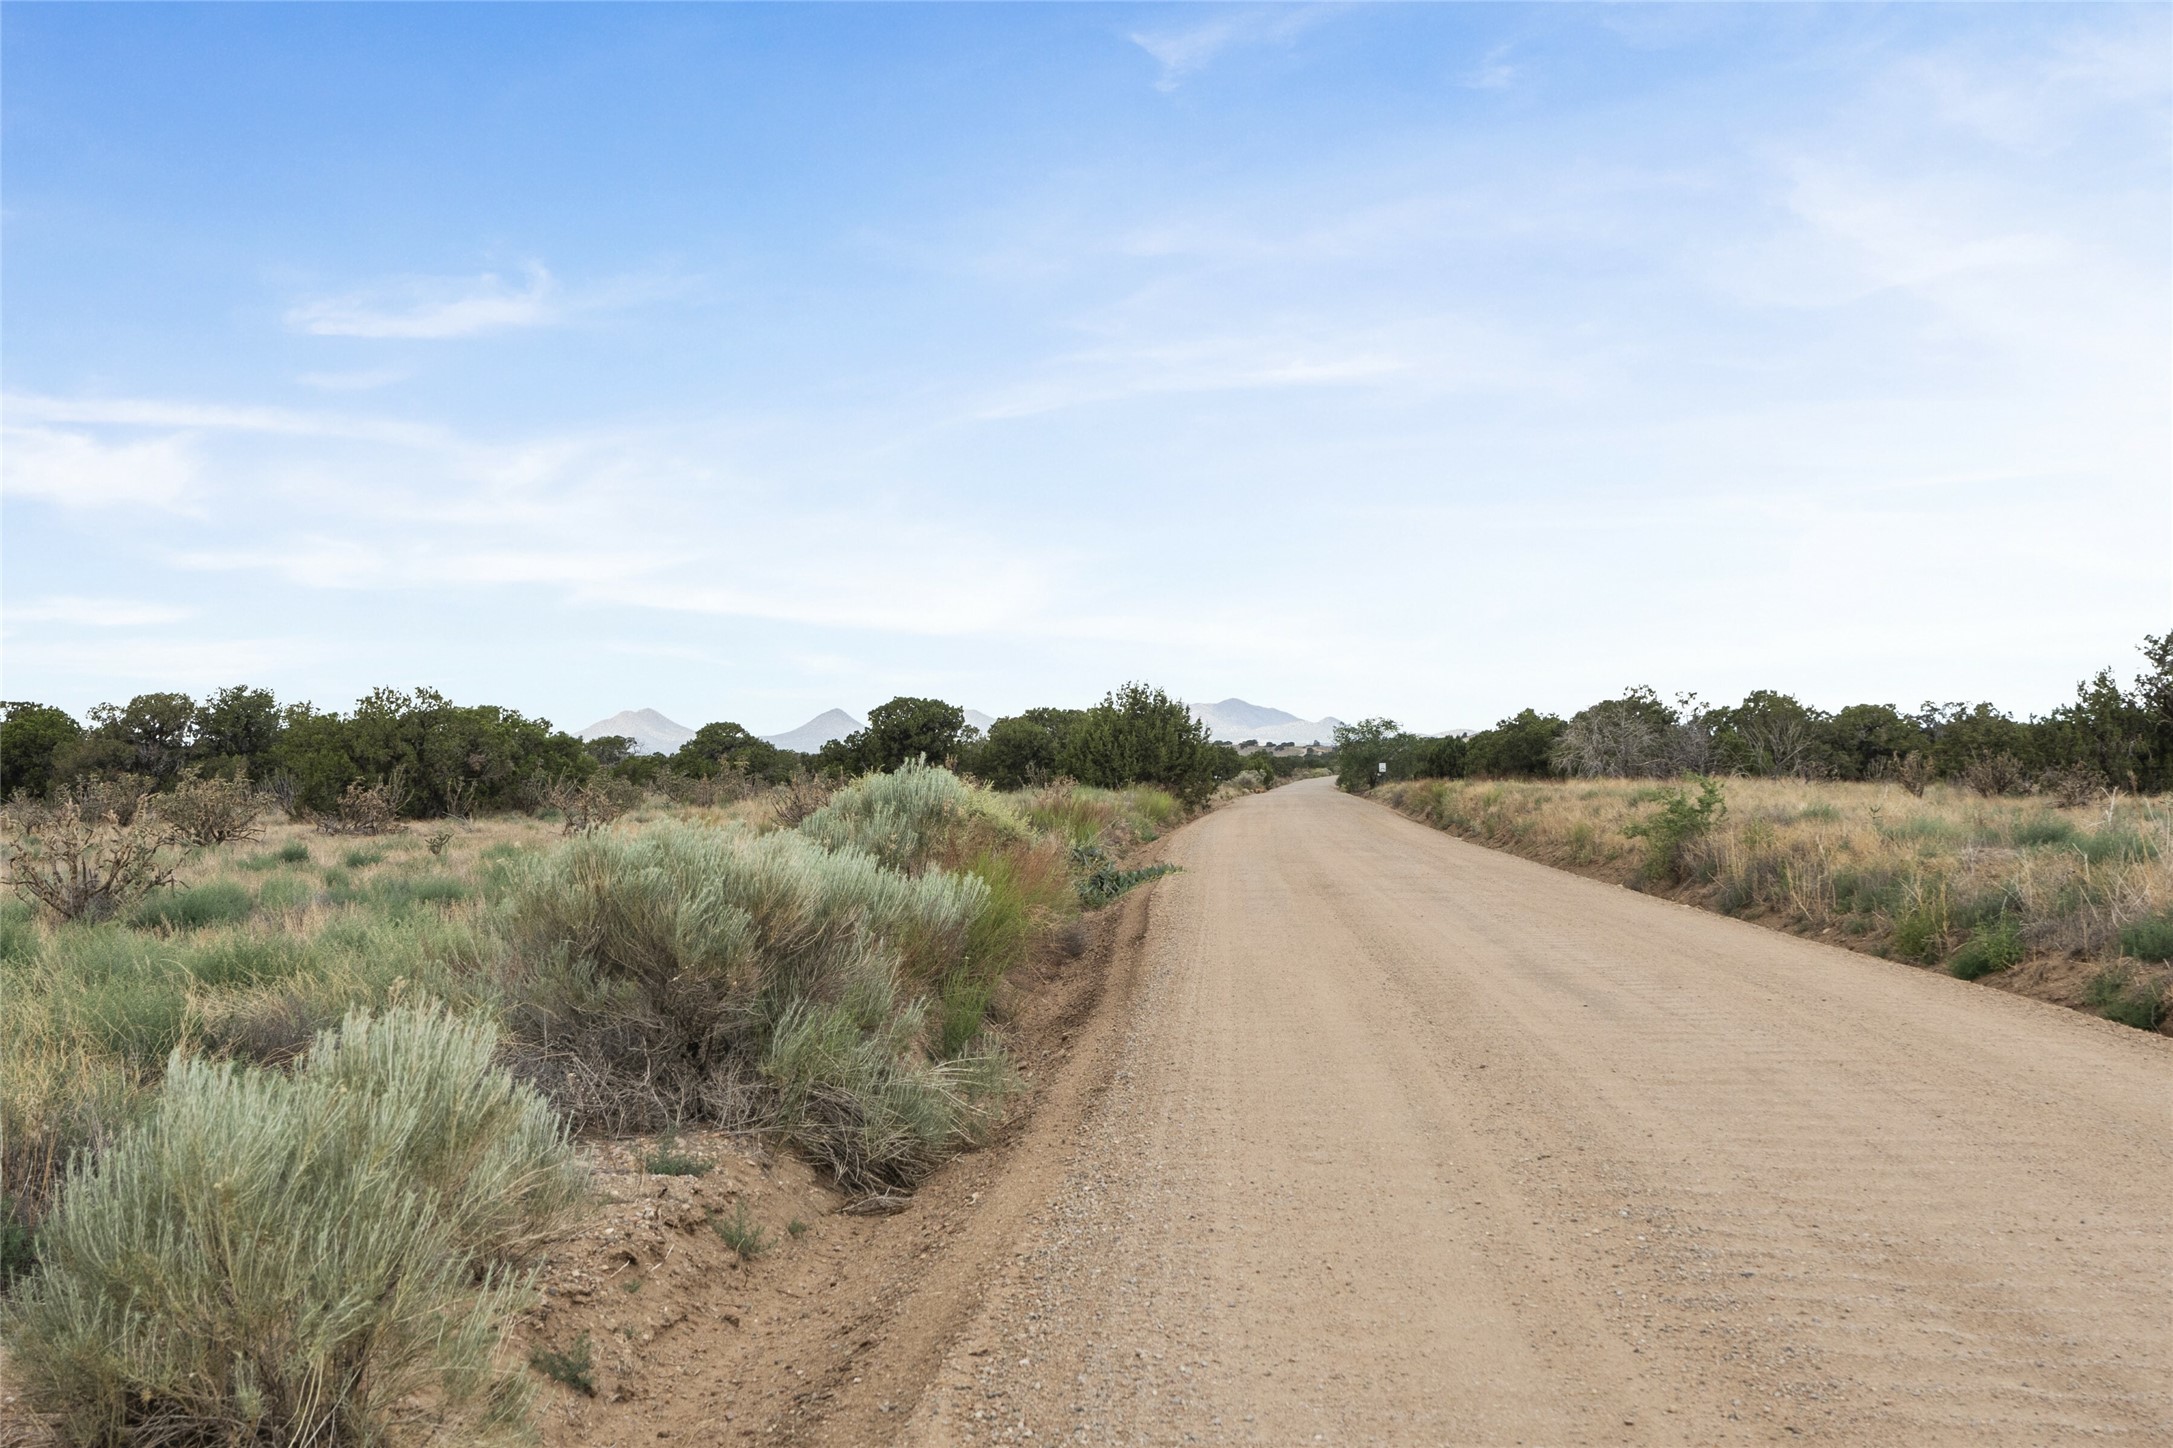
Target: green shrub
x=668, y=1160
x=362, y=858
x=2149, y=939
x=1920, y=935
x=248, y=959
x=741, y=1233
x=1023, y=750
x=293, y=852
x=400, y=892
x=18, y=1243
x=1157, y=808
x=1865, y=892
x=1521, y=747
x=1105, y=881
x=222, y=902
x=1989, y=950
x=120, y=993
x=2041, y=830
x=573, y=1368
x=286, y=892
x=1987, y=907
x=854, y=1096
x=1680, y=821
x=305, y=1259
x=962, y=1005
x=2118, y=994
x=19, y=937
x=2115, y=845
x=1141, y=735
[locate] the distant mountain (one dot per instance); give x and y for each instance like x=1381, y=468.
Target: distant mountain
x=651, y=732
x=816, y=732
x=1237, y=714
x=977, y=720
x=1234, y=720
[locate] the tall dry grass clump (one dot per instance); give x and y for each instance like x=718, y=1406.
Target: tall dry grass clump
x=315, y=1258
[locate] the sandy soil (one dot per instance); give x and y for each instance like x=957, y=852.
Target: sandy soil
x=1412, y=1142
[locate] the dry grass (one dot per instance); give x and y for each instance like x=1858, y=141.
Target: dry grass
x=1864, y=865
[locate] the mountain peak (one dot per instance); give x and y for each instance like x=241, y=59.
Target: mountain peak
x=1234, y=721
x=816, y=732
x=651, y=732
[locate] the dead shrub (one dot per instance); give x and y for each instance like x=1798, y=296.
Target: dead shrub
x=800, y=797
x=117, y=795
x=211, y=811
x=1913, y=772
x=2073, y=786
x=729, y=785
x=585, y=807
x=1992, y=775
x=85, y=866
x=365, y=809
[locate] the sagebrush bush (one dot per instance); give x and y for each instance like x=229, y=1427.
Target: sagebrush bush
x=912, y=817
x=716, y=973
x=309, y=1259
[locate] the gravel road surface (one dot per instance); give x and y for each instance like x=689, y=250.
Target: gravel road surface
x=1406, y=1141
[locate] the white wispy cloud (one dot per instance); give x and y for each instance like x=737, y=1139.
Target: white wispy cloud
x=1166, y=356
x=1492, y=73
x=166, y=663
x=143, y=412
x=366, y=379
x=79, y=470
x=93, y=612
x=434, y=308
x=1187, y=49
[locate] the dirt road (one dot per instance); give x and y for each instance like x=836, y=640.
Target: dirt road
x=1412, y=1142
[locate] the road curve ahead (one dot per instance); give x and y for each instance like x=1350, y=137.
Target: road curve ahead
x=1411, y=1142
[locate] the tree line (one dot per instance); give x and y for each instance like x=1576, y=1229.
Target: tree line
x=2109, y=736
x=442, y=758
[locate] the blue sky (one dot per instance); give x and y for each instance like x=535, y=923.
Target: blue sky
x=746, y=361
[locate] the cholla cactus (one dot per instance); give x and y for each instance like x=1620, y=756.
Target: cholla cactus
x=82, y=864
